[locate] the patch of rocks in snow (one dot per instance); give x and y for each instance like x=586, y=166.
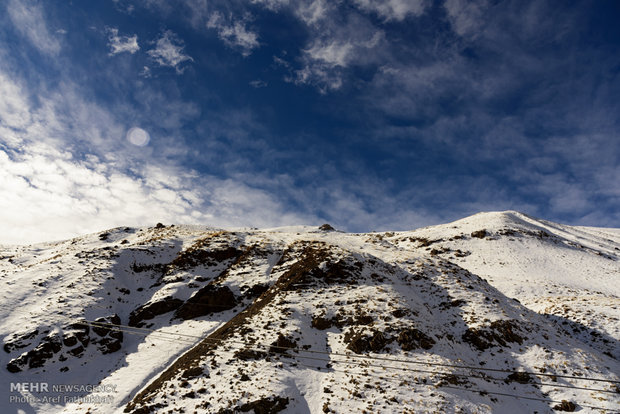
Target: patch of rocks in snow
x=463, y=317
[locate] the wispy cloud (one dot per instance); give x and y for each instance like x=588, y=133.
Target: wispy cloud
x=493, y=109
x=338, y=47
x=14, y=107
x=310, y=12
x=28, y=18
x=169, y=51
x=79, y=196
x=89, y=195
x=258, y=83
x=71, y=156
x=466, y=17
x=234, y=32
x=124, y=6
x=145, y=72
x=394, y=9
x=119, y=44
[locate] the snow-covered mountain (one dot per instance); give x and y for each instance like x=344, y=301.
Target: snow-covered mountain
x=498, y=312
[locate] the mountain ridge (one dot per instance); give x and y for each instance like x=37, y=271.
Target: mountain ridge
x=520, y=294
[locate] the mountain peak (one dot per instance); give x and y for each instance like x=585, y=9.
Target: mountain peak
x=478, y=314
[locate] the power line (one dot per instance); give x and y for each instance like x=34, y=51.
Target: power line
x=525, y=398
x=270, y=347
x=464, y=389
x=285, y=360
x=554, y=376
x=349, y=355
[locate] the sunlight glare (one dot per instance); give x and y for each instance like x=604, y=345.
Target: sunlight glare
x=138, y=136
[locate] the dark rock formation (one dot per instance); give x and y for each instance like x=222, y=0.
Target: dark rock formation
x=207, y=300
x=150, y=310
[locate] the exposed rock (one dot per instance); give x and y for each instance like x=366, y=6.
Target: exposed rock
x=360, y=343
x=256, y=290
x=265, y=405
x=520, y=377
x=18, y=342
x=399, y=313
x=80, y=331
x=150, y=310
x=15, y=365
x=197, y=256
x=105, y=320
x=321, y=323
x=451, y=379
x=111, y=338
x=76, y=351
x=565, y=406
x=192, y=372
x=155, y=267
x=250, y=354
x=282, y=344
x=499, y=333
x=207, y=300
x=49, y=345
x=110, y=344
x=364, y=319
x=341, y=271
x=69, y=340
x=411, y=338
x=451, y=304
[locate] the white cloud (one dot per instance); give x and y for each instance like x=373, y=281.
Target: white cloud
x=333, y=53
x=48, y=195
x=234, y=33
x=28, y=18
x=324, y=77
x=119, y=44
x=124, y=6
x=339, y=35
x=66, y=169
x=310, y=12
x=281, y=62
x=14, y=108
x=466, y=17
x=342, y=50
x=169, y=51
x=228, y=19
x=273, y=5
x=258, y=83
x=393, y=9
x=145, y=72
x=325, y=59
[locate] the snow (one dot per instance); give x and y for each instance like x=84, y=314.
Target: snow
x=558, y=283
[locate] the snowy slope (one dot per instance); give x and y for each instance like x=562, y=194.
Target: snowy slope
x=554, y=269
x=452, y=318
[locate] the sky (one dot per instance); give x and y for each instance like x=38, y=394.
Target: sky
x=369, y=115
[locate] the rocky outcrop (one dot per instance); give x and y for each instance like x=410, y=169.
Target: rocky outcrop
x=152, y=309
x=207, y=300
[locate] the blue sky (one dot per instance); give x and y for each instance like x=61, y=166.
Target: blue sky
x=367, y=114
